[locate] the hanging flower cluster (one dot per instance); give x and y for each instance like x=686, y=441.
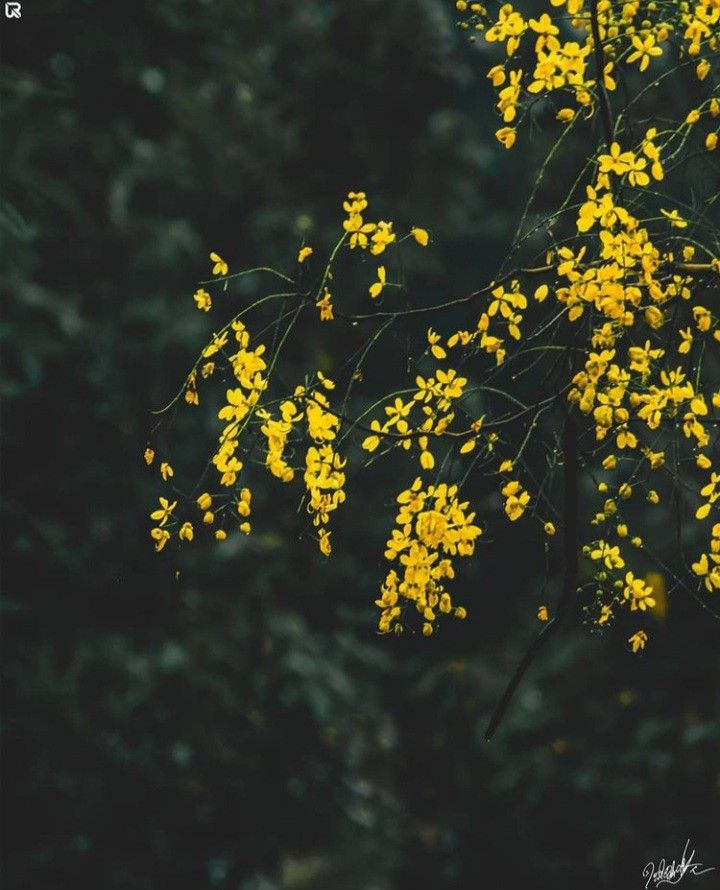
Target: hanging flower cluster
x=433, y=527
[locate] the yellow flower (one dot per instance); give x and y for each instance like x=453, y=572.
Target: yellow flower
x=382, y=237
x=304, y=253
x=693, y=116
x=711, y=141
x=245, y=528
x=686, y=337
x=162, y=514
x=218, y=342
x=608, y=555
x=161, y=536
x=166, y=471
x=203, y=299
x=186, y=532
x=644, y=49
x=549, y=528
x=565, y=115
x=676, y=221
x=220, y=267
x=149, y=455
x=376, y=288
x=324, y=542
x=371, y=442
x=324, y=304
x=420, y=235
x=204, y=501
x=516, y=500
x=220, y=535
x=542, y=613
x=427, y=461
x=703, y=69
x=354, y=225
x=243, y=506
x=639, y=594
x=608, y=79
x=433, y=339
x=638, y=640
x=506, y=136
x=208, y=517
x=618, y=161
x=497, y=75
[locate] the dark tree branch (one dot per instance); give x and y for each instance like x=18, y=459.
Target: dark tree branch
x=600, y=74
x=570, y=568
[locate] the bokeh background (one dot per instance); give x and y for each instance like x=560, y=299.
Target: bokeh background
x=243, y=726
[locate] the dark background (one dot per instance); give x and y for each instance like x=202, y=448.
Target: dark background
x=243, y=726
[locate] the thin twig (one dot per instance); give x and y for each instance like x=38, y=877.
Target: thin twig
x=570, y=569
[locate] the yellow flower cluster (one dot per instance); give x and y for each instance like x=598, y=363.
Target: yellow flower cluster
x=277, y=432
x=708, y=565
x=433, y=526
x=248, y=366
x=324, y=477
x=434, y=397
x=377, y=236
x=516, y=500
x=505, y=309
x=711, y=491
x=162, y=515
x=633, y=33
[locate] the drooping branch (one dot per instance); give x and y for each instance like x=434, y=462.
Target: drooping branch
x=570, y=568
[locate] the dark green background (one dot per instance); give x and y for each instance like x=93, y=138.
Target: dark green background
x=244, y=727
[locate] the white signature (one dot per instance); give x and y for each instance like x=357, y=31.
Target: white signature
x=673, y=872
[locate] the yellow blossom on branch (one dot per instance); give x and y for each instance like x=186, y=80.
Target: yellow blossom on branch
x=220, y=267
x=203, y=299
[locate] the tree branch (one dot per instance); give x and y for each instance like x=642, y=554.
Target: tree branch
x=600, y=74
x=570, y=568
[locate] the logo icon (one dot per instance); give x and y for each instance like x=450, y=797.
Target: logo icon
x=13, y=10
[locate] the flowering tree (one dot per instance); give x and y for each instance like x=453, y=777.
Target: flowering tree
x=582, y=383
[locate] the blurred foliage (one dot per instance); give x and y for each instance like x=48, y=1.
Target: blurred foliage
x=241, y=725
